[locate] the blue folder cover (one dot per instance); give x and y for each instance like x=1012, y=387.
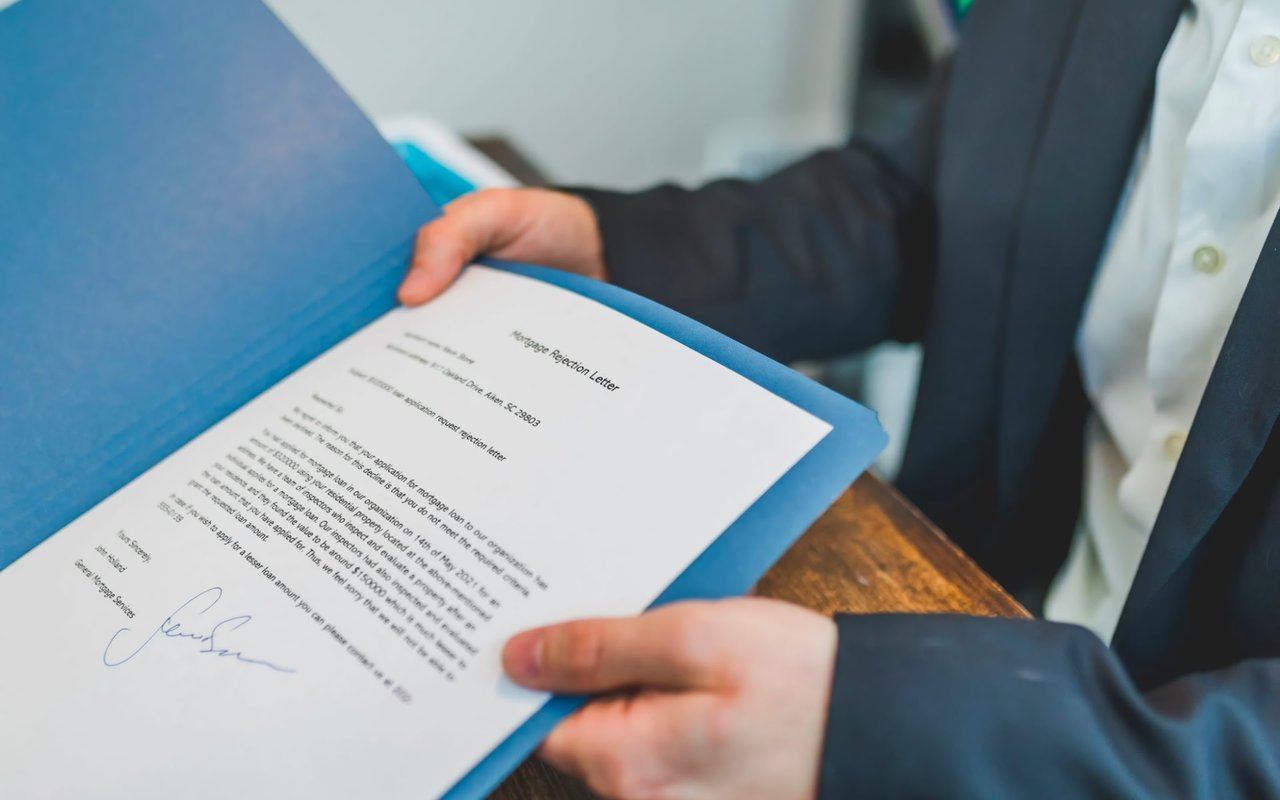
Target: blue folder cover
x=190, y=209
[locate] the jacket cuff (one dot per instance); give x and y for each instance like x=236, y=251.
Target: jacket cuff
x=947, y=705
x=632, y=234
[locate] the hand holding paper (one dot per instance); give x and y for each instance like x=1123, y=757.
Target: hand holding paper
x=271, y=534
x=530, y=225
x=731, y=701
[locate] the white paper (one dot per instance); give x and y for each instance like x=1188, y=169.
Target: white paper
x=581, y=498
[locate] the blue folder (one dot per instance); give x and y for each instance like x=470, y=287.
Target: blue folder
x=190, y=209
x=440, y=183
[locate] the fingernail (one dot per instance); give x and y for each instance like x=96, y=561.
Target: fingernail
x=414, y=286
x=524, y=656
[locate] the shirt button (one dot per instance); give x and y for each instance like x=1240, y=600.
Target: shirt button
x=1173, y=444
x=1265, y=51
x=1208, y=260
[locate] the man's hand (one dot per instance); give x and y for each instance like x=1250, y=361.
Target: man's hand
x=729, y=699
x=535, y=225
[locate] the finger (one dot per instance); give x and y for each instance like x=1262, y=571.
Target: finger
x=471, y=225
x=636, y=746
x=424, y=282
x=609, y=745
x=673, y=647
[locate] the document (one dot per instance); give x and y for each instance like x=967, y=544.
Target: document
x=310, y=598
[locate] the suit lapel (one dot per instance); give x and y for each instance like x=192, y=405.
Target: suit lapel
x=1101, y=106
x=1235, y=419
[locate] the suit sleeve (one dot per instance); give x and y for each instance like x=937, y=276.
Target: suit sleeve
x=945, y=706
x=829, y=255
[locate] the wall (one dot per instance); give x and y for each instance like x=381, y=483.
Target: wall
x=601, y=91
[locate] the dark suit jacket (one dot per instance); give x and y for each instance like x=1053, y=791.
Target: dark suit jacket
x=979, y=236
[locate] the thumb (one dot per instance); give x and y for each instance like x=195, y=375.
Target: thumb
x=476, y=223
x=671, y=648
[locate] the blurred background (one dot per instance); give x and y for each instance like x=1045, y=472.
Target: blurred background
x=627, y=94
x=623, y=93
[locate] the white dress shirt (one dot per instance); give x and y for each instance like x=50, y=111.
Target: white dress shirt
x=1203, y=193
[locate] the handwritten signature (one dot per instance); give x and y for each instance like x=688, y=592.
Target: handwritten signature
x=181, y=625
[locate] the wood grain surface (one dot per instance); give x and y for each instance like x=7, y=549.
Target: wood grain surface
x=872, y=551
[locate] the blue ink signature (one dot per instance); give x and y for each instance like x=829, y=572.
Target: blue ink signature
x=171, y=628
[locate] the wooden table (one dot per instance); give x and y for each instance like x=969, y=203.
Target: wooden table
x=872, y=551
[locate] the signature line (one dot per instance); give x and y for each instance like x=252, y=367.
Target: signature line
x=171, y=628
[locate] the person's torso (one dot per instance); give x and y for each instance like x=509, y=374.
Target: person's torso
x=1046, y=106
x=1203, y=191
